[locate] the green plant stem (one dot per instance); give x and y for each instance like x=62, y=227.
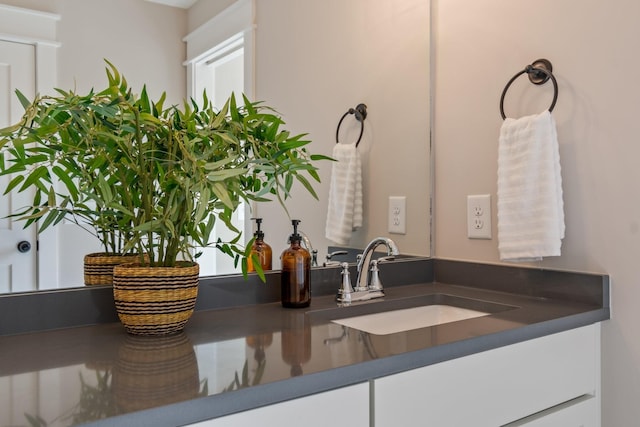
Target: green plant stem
x=147, y=192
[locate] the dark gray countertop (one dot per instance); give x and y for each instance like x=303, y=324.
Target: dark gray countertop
x=251, y=355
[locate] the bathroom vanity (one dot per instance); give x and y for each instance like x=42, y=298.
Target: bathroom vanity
x=549, y=381
x=532, y=358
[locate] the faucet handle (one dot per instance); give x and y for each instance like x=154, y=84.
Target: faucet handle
x=345, y=291
x=376, y=285
x=328, y=257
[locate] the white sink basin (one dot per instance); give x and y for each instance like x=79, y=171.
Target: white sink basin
x=390, y=322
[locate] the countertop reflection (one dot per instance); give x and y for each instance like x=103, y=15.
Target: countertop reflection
x=79, y=375
x=86, y=374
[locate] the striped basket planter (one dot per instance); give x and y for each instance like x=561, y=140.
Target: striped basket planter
x=155, y=371
x=155, y=300
x=98, y=267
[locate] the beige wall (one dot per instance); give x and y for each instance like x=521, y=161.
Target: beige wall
x=144, y=40
x=479, y=46
x=204, y=10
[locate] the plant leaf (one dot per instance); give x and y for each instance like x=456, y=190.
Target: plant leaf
x=14, y=183
x=23, y=99
x=68, y=182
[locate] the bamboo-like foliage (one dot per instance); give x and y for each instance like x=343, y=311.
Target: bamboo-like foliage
x=147, y=178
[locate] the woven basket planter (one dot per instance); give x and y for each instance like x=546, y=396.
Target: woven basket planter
x=155, y=300
x=98, y=267
x=155, y=371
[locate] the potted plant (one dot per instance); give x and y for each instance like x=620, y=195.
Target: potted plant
x=161, y=177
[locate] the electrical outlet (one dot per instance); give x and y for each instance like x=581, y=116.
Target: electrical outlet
x=397, y=215
x=479, y=216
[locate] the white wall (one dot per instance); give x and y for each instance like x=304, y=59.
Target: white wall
x=317, y=59
x=592, y=44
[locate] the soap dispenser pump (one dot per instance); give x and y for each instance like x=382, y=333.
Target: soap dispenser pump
x=260, y=249
x=296, y=272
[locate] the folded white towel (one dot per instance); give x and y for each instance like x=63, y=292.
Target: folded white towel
x=345, y=194
x=530, y=206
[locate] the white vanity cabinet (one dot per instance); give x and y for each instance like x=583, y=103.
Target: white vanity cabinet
x=552, y=381
x=348, y=406
x=521, y=384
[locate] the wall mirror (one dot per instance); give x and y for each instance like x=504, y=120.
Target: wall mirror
x=311, y=60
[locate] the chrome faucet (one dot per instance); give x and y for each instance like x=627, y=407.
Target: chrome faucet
x=306, y=242
x=362, y=283
x=364, y=290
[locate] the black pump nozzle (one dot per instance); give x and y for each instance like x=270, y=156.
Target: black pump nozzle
x=295, y=236
x=259, y=233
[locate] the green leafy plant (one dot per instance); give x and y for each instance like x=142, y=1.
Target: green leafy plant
x=146, y=178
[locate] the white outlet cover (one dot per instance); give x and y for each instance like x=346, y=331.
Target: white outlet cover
x=397, y=215
x=479, y=216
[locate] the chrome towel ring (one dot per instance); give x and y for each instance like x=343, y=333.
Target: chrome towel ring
x=539, y=72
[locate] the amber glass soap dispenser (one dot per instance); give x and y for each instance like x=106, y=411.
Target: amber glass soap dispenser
x=260, y=249
x=296, y=272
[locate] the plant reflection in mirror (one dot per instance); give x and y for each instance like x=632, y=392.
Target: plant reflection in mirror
x=148, y=178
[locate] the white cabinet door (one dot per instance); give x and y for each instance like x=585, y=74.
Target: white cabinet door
x=348, y=407
x=495, y=387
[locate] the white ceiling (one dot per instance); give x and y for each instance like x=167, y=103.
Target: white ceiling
x=184, y=4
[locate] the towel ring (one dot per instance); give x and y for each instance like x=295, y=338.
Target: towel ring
x=360, y=113
x=539, y=73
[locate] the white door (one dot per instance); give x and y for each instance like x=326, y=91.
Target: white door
x=17, y=269
x=221, y=73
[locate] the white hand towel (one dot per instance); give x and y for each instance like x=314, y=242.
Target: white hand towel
x=530, y=206
x=345, y=194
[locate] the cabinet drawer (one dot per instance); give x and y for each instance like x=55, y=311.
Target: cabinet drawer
x=348, y=406
x=492, y=388
x=581, y=412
